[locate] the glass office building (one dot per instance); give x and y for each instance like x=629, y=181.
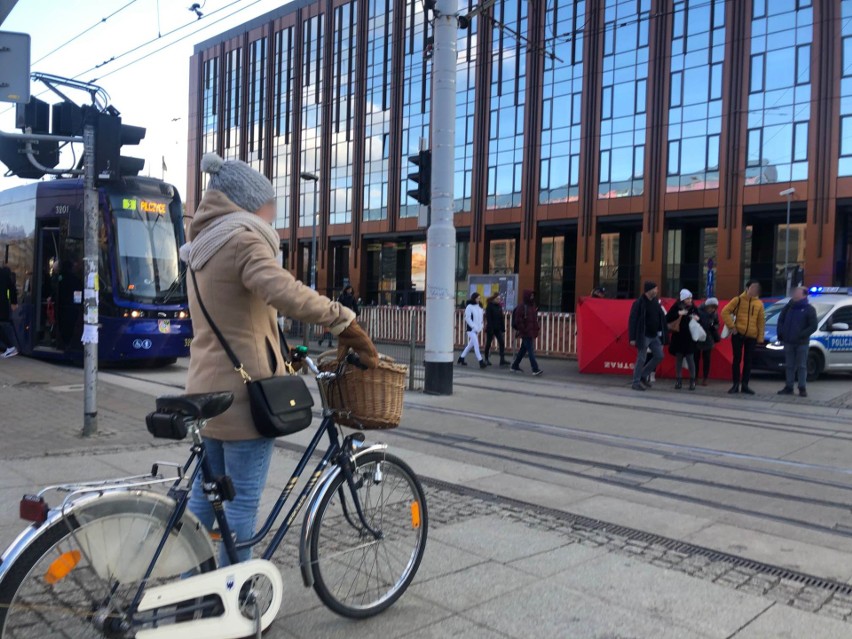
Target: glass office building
x=598, y=142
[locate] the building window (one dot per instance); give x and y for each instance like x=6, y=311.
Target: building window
x=562, y=94
x=341, y=181
x=695, y=104
x=508, y=97
x=377, y=113
x=845, y=164
x=233, y=95
x=282, y=143
x=312, y=69
x=502, y=256
x=623, y=81
x=416, y=103
x=209, y=108
x=780, y=96
x=257, y=103
x=465, y=103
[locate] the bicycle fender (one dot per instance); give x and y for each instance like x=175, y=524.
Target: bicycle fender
x=311, y=513
x=104, y=503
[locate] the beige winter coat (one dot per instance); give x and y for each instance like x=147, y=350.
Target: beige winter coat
x=242, y=286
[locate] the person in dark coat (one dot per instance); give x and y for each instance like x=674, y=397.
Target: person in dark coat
x=796, y=323
x=682, y=345
x=647, y=330
x=495, y=328
x=708, y=317
x=526, y=326
x=8, y=302
x=348, y=299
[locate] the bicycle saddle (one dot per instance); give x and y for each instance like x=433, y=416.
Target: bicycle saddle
x=198, y=405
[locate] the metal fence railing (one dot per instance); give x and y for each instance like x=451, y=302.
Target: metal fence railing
x=400, y=332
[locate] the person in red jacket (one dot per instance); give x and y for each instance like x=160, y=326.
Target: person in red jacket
x=526, y=326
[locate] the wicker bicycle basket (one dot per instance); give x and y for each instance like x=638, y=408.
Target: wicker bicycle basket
x=366, y=400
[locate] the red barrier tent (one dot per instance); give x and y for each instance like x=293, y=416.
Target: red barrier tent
x=603, y=345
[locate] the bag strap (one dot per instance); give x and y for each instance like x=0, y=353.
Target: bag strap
x=238, y=366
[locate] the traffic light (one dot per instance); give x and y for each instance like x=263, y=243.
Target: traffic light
x=110, y=136
x=33, y=115
x=423, y=178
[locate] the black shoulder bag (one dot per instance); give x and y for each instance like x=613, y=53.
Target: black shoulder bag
x=279, y=405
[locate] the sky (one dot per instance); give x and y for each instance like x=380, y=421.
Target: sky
x=153, y=92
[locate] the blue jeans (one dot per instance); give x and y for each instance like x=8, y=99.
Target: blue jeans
x=247, y=463
x=796, y=363
x=527, y=348
x=641, y=369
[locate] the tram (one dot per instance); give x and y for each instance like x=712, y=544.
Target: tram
x=142, y=305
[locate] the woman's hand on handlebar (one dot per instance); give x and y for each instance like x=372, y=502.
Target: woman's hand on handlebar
x=354, y=337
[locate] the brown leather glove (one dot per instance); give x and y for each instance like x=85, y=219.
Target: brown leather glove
x=354, y=337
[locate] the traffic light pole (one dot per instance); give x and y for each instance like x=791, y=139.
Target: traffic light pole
x=441, y=235
x=90, y=286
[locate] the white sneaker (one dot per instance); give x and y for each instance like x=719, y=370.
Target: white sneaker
x=10, y=352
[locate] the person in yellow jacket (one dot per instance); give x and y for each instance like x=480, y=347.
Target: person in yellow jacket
x=746, y=321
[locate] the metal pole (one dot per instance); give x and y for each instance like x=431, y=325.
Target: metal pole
x=787, y=248
x=90, y=292
x=314, y=240
x=412, y=345
x=441, y=235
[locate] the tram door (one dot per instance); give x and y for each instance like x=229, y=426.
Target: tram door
x=60, y=294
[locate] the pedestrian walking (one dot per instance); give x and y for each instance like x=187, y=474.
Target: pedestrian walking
x=526, y=326
x=647, y=330
x=681, y=344
x=232, y=259
x=708, y=317
x=796, y=323
x=495, y=328
x=8, y=303
x=473, y=319
x=746, y=321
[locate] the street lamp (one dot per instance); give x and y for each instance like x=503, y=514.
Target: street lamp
x=313, y=177
x=788, y=193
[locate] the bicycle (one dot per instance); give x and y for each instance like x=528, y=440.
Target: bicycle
x=116, y=559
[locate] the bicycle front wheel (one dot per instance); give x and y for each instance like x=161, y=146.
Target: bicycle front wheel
x=355, y=574
x=78, y=578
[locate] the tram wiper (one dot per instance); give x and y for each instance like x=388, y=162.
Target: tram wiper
x=173, y=287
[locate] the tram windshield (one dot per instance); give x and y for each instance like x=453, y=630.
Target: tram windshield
x=147, y=252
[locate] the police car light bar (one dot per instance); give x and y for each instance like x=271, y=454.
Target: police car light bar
x=841, y=290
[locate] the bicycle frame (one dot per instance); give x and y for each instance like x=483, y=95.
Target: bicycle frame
x=198, y=462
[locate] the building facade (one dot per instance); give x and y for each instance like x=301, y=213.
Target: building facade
x=598, y=142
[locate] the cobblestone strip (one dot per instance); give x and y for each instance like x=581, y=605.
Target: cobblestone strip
x=447, y=506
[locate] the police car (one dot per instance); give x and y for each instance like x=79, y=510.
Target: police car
x=830, y=347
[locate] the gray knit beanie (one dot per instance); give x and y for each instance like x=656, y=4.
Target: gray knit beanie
x=244, y=186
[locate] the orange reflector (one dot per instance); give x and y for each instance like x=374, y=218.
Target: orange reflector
x=415, y=514
x=64, y=564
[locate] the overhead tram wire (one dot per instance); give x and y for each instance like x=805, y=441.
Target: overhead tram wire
x=84, y=32
x=205, y=25
x=144, y=44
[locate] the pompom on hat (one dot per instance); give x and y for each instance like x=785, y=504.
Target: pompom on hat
x=244, y=186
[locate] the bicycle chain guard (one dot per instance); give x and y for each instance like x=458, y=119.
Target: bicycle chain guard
x=225, y=583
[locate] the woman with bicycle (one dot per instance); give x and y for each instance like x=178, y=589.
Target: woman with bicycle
x=232, y=255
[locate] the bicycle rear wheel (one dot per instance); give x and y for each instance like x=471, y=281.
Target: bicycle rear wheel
x=355, y=574
x=78, y=578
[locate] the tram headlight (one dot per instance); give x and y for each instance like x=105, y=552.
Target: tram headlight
x=134, y=314
x=182, y=314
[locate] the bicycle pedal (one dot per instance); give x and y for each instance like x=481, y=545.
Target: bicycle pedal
x=230, y=584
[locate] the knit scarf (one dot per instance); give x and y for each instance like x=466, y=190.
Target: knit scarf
x=219, y=232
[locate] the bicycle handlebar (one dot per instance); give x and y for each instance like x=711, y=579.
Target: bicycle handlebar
x=352, y=358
